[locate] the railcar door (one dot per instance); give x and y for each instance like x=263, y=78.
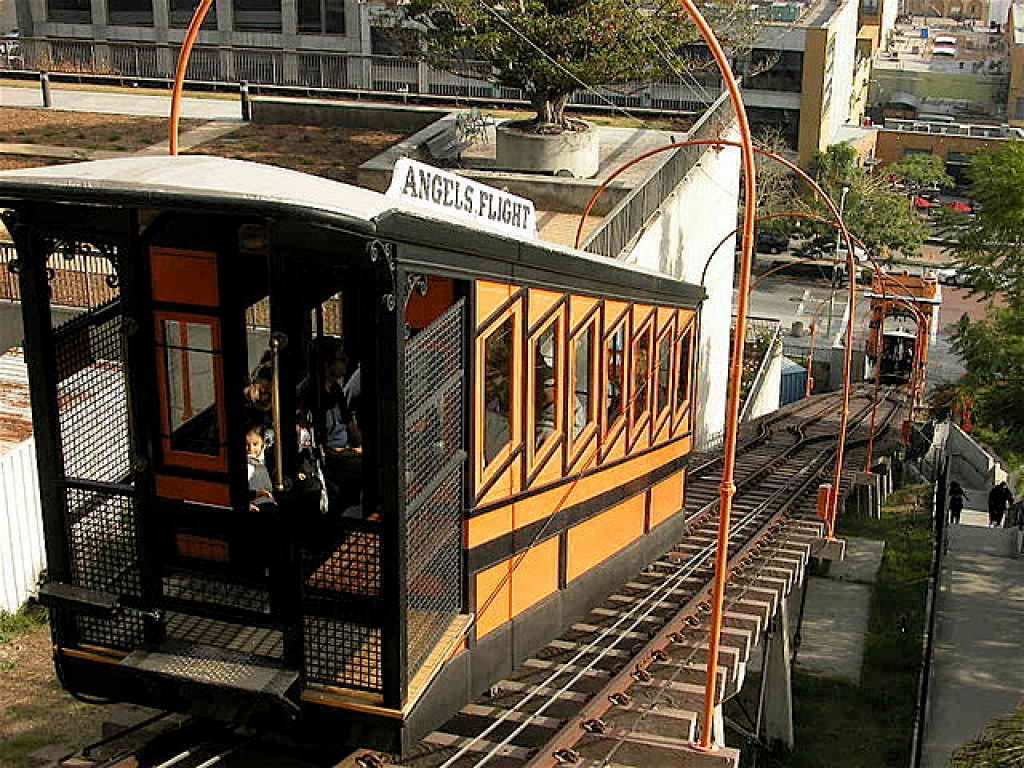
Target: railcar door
x=223, y=555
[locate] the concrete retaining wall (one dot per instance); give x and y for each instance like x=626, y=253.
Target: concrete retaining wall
x=343, y=114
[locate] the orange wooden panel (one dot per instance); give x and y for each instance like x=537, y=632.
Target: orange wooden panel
x=488, y=526
x=597, y=539
x=579, y=306
x=540, y=505
x=422, y=309
x=641, y=312
x=618, y=448
x=184, y=277
x=536, y=576
x=550, y=468
x=187, y=489
x=202, y=548
x=490, y=296
x=666, y=498
x=493, y=605
x=613, y=310
x=539, y=303
x=665, y=315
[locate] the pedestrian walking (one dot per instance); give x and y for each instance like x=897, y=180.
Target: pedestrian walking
x=957, y=496
x=999, y=500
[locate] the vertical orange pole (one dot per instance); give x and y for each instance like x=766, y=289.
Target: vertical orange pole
x=179, y=73
x=732, y=413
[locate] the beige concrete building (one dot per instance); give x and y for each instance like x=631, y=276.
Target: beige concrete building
x=1015, y=44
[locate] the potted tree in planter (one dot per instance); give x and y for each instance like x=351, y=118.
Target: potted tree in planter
x=551, y=49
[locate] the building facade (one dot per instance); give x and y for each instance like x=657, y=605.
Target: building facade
x=1015, y=44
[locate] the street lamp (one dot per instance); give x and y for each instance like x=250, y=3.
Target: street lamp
x=832, y=291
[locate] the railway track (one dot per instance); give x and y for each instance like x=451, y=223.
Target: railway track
x=625, y=685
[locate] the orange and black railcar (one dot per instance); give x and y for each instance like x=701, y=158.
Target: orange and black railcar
x=524, y=417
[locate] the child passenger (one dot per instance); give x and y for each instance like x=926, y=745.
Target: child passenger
x=260, y=487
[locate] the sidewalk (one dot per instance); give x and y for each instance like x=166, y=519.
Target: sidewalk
x=117, y=103
x=978, y=662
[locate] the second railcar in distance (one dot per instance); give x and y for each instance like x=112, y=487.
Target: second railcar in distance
x=318, y=460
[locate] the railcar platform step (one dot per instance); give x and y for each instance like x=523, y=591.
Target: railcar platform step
x=57, y=594
x=215, y=666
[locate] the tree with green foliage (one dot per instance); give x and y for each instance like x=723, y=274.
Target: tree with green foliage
x=919, y=172
x=881, y=217
x=989, y=250
x=551, y=48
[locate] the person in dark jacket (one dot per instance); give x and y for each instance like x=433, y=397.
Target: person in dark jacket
x=999, y=500
x=956, y=502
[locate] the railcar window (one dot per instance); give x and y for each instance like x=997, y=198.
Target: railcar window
x=190, y=357
x=546, y=349
x=641, y=374
x=616, y=346
x=664, y=373
x=683, y=375
x=583, y=381
x=497, y=390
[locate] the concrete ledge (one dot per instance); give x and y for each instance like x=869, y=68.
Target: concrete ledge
x=834, y=549
x=343, y=114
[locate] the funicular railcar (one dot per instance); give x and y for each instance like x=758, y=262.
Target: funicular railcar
x=525, y=416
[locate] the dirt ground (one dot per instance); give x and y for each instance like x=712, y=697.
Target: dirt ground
x=335, y=153
x=83, y=130
x=34, y=711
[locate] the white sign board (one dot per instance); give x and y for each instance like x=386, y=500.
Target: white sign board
x=463, y=199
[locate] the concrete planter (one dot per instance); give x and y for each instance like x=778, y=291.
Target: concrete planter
x=572, y=153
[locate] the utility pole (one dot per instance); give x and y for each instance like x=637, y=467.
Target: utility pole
x=835, y=270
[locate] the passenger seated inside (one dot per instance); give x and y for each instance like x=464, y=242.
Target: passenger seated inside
x=261, y=489
x=340, y=434
x=258, y=394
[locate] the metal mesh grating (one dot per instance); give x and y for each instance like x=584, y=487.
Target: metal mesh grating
x=124, y=632
x=216, y=591
x=342, y=653
x=242, y=638
x=91, y=398
x=434, y=562
x=102, y=541
x=353, y=566
x=434, y=458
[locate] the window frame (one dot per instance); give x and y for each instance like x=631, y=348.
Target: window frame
x=538, y=455
x=487, y=471
x=638, y=422
x=610, y=430
x=668, y=336
x=577, y=443
x=683, y=335
x=174, y=457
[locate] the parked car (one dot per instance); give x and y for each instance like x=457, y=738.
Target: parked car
x=769, y=242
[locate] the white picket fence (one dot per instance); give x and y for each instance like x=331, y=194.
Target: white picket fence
x=22, y=553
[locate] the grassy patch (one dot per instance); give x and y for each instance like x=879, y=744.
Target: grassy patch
x=13, y=625
x=1007, y=444
x=845, y=725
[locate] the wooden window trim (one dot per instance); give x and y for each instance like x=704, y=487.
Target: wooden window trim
x=173, y=457
x=665, y=414
x=577, y=443
x=610, y=431
x=637, y=426
x=537, y=457
x=487, y=472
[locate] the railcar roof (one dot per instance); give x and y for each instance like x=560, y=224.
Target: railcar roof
x=218, y=183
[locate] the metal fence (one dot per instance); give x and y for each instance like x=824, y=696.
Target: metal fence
x=764, y=335
x=337, y=72
x=619, y=229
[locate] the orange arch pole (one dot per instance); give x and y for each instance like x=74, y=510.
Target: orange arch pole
x=179, y=73
x=732, y=412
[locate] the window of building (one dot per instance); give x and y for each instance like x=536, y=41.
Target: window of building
x=768, y=70
x=69, y=11
x=257, y=15
x=181, y=14
x=190, y=362
x=497, y=390
x=641, y=374
x=131, y=13
x=616, y=375
x=545, y=356
x=583, y=403
x=1018, y=109
x=664, y=377
x=321, y=17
